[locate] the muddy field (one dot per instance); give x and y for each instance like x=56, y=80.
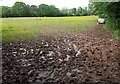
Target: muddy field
x=70, y=57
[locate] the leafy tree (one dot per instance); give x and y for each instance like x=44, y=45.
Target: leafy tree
x=79, y=11
x=84, y=11
x=21, y=9
x=6, y=11
x=110, y=11
x=54, y=11
x=27, y=10
x=74, y=11
x=34, y=10
x=44, y=10
x=66, y=12
x=90, y=9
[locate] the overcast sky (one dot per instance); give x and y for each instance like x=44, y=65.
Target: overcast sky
x=58, y=3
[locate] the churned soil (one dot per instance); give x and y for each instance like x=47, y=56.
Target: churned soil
x=90, y=56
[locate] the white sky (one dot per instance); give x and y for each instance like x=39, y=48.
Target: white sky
x=58, y=3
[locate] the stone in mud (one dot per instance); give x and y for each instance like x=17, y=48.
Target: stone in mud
x=40, y=74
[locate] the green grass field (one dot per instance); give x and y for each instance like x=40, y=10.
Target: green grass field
x=23, y=28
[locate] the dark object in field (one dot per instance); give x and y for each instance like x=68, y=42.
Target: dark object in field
x=10, y=27
x=100, y=21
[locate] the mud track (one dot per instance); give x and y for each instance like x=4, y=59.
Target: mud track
x=71, y=57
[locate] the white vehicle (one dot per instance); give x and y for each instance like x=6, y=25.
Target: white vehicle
x=101, y=21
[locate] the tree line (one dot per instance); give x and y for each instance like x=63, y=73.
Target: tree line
x=20, y=9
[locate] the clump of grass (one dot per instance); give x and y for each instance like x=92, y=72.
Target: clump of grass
x=116, y=34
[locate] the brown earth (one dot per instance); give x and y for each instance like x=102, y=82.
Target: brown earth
x=72, y=57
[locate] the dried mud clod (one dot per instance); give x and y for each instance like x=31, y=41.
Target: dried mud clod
x=71, y=57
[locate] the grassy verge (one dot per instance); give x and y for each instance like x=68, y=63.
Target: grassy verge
x=23, y=28
x=115, y=31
